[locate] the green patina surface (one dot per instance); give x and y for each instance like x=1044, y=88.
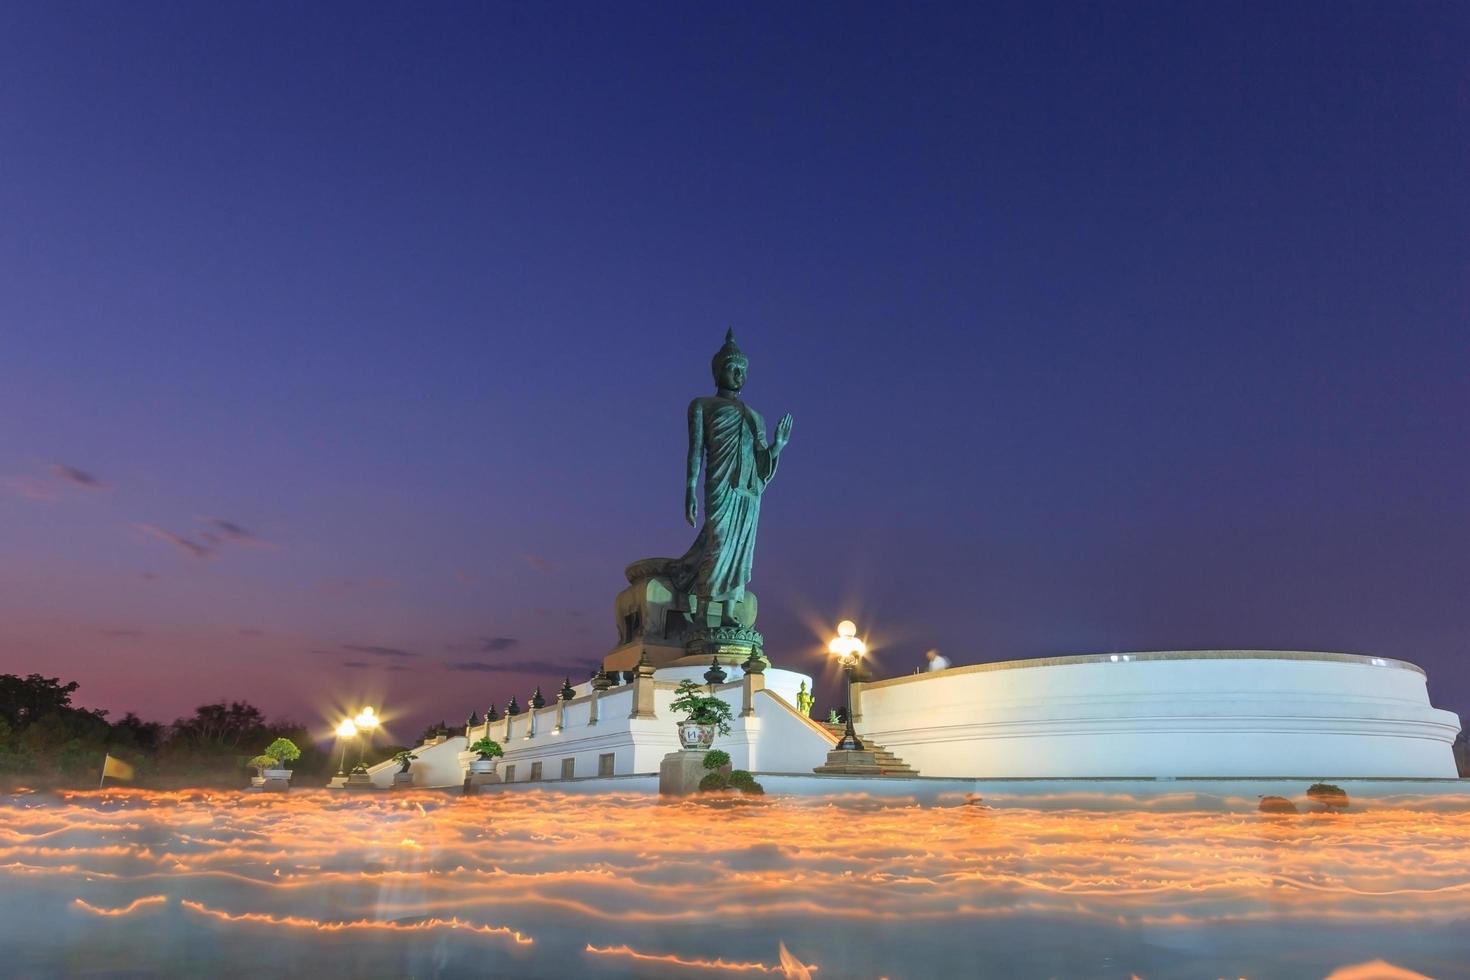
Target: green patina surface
x=727, y=441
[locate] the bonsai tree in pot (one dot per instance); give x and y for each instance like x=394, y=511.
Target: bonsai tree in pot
x=260, y=764
x=281, y=751
x=704, y=715
x=404, y=759
x=488, y=750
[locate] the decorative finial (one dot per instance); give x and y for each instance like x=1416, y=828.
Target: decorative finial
x=716, y=674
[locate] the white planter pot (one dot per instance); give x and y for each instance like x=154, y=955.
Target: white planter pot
x=482, y=766
x=278, y=774
x=692, y=736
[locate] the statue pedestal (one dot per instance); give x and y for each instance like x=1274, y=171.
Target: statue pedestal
x=727, y=644
x=479, y=780
x=360, y=782
x=849, y=762
x=680, y=772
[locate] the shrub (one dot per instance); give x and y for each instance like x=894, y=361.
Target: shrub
x=487, y=748
x=716, y=759
x=283, y=750
x=745, y=783
x=403, y=759
x=1327, y=794
x=261, y=763
x=701, y=709
x=1277, y=804
x=714, y=782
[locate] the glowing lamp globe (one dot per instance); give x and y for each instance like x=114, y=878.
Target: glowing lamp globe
x=847, y=628
x=366, y=719
x=347, y=729
x=846, y=645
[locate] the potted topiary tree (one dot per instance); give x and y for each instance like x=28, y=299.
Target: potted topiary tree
x=281, y=751
x=404, y=759
x=704, y=715
x=487, y=750
x=260, y=764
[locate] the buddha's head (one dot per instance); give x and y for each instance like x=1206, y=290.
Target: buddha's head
x=730, y=364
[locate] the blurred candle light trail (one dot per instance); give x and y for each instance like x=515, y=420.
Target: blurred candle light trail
x=550, y=884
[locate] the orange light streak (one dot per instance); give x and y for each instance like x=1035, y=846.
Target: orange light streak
x=299, y=922
x=732, y=967
x=614, y=869
x=127, y=909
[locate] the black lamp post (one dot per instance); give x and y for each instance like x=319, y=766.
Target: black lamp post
x=366, y=721
x=345, y=731
x=849, y=650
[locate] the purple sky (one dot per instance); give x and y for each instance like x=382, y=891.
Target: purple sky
x=342, y=345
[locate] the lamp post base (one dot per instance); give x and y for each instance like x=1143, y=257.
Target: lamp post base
x=849, y=762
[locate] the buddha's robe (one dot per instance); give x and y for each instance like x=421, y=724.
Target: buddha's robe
x=738, y=464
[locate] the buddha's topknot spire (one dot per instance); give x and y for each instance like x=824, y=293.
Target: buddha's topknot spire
x=729, y=352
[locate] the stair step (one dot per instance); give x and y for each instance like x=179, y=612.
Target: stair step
x=891, y=764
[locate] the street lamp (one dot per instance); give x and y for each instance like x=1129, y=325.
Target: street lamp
x=848, y=650
x=366, y=721
x=345, y=731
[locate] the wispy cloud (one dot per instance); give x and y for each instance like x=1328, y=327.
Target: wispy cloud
x=218, y=530
x=485, y=644
x=377, y=651
x=355, y=586
x=188, y=546
x=56, y=480
x=369, y=665
x=208, y=540
x=76, y=477
x=517, y=667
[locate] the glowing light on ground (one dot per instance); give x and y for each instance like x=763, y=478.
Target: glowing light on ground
x=551, y=884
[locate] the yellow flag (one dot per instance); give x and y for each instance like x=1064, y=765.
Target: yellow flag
x=116, y=768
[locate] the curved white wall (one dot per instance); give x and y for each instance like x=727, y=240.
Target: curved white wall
x=1205, y=713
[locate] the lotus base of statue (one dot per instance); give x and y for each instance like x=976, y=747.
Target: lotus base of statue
x=727, y=644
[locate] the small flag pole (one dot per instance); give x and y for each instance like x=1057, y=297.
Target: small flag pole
x=104, y=770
